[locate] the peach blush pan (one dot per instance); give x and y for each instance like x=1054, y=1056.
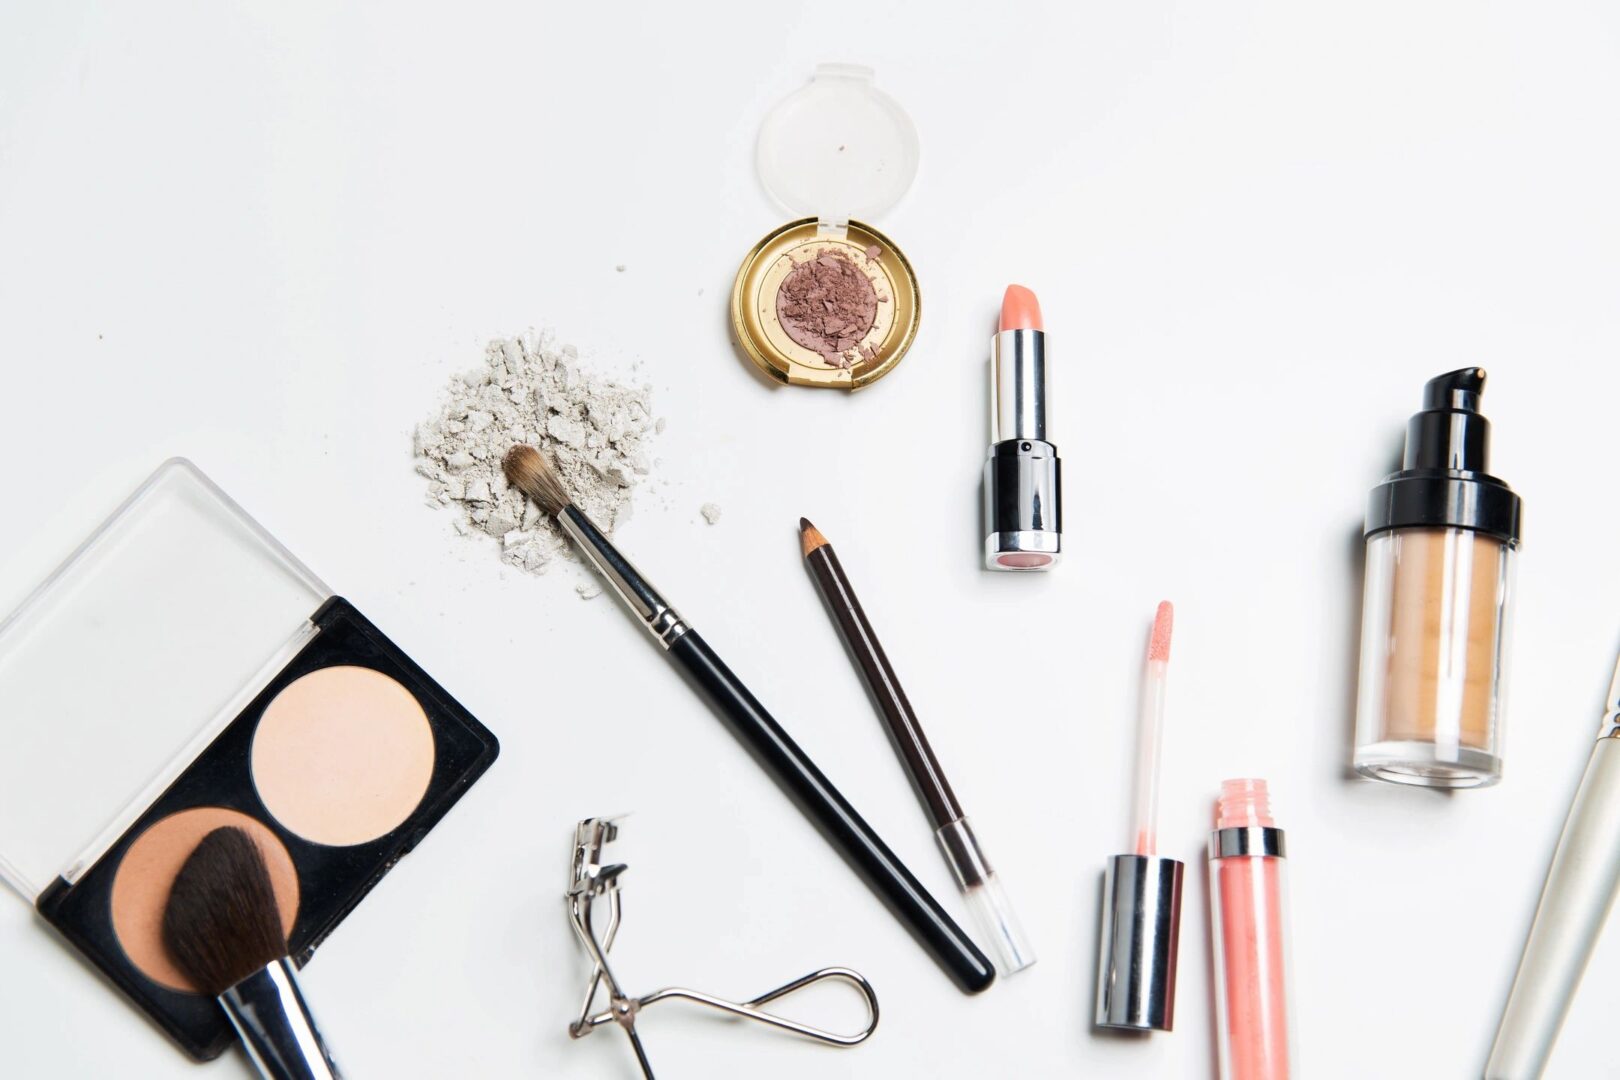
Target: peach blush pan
x=141, y=888
x=343, y=755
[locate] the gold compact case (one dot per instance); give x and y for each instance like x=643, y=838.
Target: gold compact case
x=826, y=300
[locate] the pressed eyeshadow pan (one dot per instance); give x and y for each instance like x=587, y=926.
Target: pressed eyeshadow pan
x=343, y=755
x=141, y=888
x=826, y=300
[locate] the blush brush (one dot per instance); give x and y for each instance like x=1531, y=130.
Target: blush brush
x=529, y=471
x=222, y=928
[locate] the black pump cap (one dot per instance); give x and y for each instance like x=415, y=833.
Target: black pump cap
x=1443, y=481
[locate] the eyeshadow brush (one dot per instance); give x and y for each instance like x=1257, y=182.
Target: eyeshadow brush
x=529, y=471
x=222, y=928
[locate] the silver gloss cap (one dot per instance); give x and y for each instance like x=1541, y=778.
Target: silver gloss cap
x=1136, y=960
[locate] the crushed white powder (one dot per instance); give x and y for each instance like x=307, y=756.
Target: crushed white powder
x=531, y=390
x=710, y=512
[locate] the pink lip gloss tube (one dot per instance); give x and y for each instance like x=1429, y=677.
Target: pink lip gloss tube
x=1249, y=927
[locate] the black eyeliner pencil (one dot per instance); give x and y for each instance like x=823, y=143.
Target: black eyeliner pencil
x=970, y=969
x=957, y=842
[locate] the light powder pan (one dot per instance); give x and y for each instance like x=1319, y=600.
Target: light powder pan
x=343, y=755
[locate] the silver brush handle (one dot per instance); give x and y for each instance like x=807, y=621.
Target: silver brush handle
x=1580, y=888
x=661, y=620
x=269, y=1013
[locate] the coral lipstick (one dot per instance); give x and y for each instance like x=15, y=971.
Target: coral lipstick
x=1023, y=497
x=1020, y=310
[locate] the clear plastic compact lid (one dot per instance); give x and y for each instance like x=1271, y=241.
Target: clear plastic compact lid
x=839, y=148
x=128, y=660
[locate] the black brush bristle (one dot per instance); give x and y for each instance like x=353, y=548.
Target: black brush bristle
x=222, y=922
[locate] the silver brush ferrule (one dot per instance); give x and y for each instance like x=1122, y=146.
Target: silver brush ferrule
x=662, y=621
x=1611, y=716
x=276, y=1027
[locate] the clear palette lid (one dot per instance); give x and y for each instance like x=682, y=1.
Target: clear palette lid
x=128, y=660
x=838, y=148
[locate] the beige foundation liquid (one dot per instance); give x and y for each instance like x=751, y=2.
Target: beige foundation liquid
x=1445, y=622
x=1441, y=540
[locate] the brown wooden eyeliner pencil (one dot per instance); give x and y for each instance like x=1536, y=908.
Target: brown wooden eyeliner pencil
x=978, y=880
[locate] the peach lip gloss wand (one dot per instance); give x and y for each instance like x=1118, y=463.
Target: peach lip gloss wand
x=1023, y=489
x=1249, y=927
x=1136, y=962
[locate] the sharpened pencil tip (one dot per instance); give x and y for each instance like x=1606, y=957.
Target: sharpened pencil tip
x=810, y=537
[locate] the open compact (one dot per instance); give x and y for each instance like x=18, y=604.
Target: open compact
x=826, y=300
x=183, y=671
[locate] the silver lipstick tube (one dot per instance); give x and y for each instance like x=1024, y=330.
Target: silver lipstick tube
x=269, y=1013
x=1023, y=496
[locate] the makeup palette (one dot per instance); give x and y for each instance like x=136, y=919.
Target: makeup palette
x=826, y=300
x=183, y=671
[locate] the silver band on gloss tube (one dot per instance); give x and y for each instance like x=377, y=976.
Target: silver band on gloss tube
x=1252, y=840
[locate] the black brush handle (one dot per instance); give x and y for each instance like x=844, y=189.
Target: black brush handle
x=838, y=821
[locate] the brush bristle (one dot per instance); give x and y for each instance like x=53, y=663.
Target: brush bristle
x=222, y=923
x=1159, y=643
x=528, y=470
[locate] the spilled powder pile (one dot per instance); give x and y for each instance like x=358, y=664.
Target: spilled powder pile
x=531, y=390
x=827, y=305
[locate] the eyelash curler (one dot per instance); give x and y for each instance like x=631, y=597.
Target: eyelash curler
x=593, y=880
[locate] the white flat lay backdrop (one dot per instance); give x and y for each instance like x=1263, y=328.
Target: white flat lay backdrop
x=264, y=235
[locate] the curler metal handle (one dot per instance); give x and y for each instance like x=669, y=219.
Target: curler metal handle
x=751, y=1009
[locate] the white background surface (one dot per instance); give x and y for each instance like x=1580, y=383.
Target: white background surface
x=264, y=236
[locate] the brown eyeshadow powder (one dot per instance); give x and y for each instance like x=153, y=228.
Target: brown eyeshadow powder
x=827, y=305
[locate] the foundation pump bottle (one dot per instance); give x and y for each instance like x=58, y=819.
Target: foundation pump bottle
x=1442, y=536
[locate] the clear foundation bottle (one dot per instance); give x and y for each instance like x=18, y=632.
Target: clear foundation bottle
x=1442, y=537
